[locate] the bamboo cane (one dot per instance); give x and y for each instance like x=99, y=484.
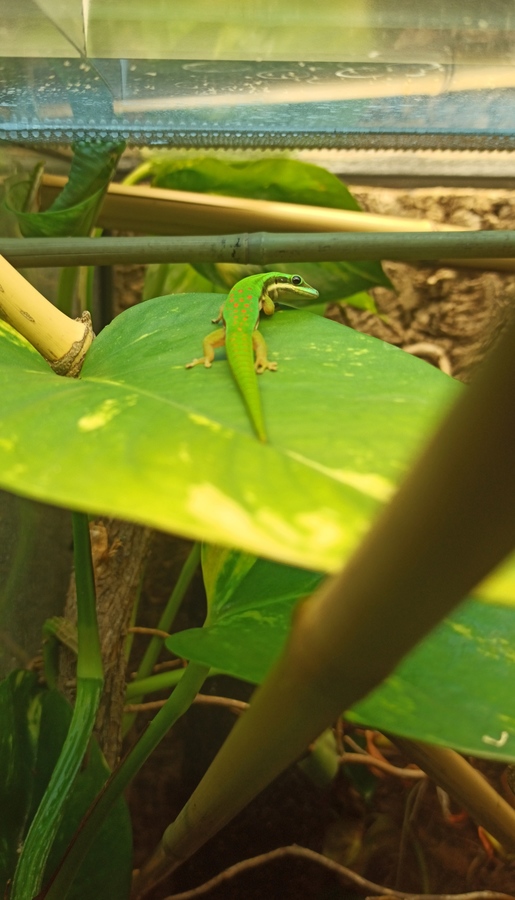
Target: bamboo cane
x=147, y=210
x=259, y=248
x=61, y=340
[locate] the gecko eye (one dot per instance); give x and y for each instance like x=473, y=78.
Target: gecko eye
x=296, y=279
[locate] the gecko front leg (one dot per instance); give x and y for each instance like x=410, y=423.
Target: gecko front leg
x=262, y=362
x=220, y=315
x=209, y=345
x=267, y=305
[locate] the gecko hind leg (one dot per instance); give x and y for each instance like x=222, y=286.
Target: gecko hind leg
x=262, y=362
x=209, y=344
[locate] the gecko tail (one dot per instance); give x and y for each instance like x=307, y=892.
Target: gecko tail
x=240, y=355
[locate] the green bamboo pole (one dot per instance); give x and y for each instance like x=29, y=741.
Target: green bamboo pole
x=451, y=522
x=259, y=248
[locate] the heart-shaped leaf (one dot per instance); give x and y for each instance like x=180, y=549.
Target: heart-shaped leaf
x=143, y=438
x=454, y=689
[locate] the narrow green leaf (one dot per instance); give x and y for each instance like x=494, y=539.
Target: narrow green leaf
x=93, y=166
x=18, y=744
x=45, y=824
x=106, y=871
x=72, y=222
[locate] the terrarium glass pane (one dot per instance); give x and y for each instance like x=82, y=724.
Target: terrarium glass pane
x=195, y=73
x=42, y=28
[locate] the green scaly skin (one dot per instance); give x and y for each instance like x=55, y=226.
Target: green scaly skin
x=240, y=335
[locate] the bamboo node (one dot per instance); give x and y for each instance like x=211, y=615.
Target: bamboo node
x=71, y=363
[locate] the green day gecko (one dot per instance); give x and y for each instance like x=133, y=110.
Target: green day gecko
x=240, y=316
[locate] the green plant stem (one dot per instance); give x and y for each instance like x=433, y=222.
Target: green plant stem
x=322, y=763
x=138, y=174
x=86, y=279
x=177, y=704
x=31, y=866
x=160, y=682
x=450, y=523
x=165, y=623
x=66, y=286
x=170, y=611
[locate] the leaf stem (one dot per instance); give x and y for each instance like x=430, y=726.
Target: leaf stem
x=31, y=866
x=170, y=611
x=139, y=173
x=156, y=643
x=66, y=288
x=177, y=704
x=160, y=682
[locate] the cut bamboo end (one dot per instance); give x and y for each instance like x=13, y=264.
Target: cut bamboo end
x=62, y=341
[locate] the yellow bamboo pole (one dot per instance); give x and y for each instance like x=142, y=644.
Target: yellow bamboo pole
x=62, y=341
x=147, y=210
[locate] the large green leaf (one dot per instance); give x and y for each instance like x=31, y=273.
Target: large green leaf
x=454, y=689
x=34, y=722
x=283, y=180
x=249, y=615
x=142, y=438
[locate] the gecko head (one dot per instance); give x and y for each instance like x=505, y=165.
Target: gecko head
x=291, y=284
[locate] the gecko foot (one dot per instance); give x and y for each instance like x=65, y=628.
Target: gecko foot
x=262, y=365
x=198, y=362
